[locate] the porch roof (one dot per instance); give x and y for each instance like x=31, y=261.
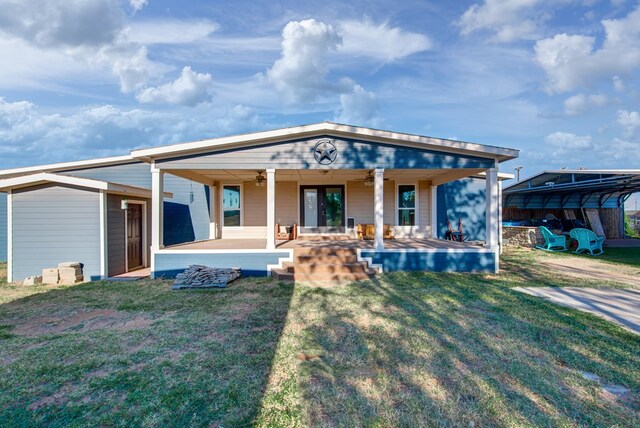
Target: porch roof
x=318, y=129
x=24, y=181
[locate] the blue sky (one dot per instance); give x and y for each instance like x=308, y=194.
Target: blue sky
x=558, y=79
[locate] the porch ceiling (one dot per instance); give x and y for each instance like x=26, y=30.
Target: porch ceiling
x=436, y=176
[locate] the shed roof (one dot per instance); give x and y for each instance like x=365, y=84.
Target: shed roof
x=24, y=181
x=580, y=188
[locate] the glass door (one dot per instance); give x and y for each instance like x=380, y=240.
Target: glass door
x=322, y=209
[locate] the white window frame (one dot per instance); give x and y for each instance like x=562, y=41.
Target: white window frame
x=415, y=208
x=241, y=186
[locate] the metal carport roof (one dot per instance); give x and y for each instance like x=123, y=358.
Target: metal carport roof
x=582, y=188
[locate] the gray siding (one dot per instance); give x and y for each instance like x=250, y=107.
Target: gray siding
x=53, y=224
x=185, y=219
x=463, y=200
x=299, y=154
x=3, y=227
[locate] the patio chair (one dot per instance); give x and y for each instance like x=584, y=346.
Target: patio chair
x=286, y=233
x=587, y=241
x=367, y=231
x=455, y=235
x=552, y=242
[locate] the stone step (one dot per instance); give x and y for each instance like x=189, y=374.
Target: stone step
x=284, y=275
x=326, y=268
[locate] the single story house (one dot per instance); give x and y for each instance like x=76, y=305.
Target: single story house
x=228, y=201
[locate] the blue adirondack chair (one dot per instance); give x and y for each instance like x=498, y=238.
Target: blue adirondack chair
x=587, y=241
x=552, y=242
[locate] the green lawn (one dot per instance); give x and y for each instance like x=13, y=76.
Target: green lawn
x=403, y=350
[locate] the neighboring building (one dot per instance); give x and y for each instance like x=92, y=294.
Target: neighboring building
x=222, y=199
x=634, y=219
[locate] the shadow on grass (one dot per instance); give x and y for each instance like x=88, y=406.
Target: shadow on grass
x=453, y=350
x=137, y=353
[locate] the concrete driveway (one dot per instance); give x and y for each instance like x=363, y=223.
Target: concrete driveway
x=621, y=306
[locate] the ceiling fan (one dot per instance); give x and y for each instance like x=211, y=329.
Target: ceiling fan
x=369, y=179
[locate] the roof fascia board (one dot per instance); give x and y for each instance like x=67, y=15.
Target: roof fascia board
x=265, y=137
x=45, y=177
x=68, y=165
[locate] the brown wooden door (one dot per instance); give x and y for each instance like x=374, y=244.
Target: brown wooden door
x=134, y=236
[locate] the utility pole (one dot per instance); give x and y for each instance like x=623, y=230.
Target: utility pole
x=517, y=170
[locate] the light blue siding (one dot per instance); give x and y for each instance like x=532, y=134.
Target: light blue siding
x=3, y=227
x=186, y=216
x=392, y=261
x=299, y=154
x=463, y=200
x=54, y=224
x=252, y=264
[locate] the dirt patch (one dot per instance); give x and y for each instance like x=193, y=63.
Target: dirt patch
x=578, y=267
x=82, y=321
x=58, y=398
x=242, y=311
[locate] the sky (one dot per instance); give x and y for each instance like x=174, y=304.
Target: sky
x=557, y=79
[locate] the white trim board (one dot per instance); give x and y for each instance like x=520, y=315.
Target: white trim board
x=99, y=162
x=9, y=236
x=144, y=235
x=319, y=129
x=46, y=177
x=104, y=242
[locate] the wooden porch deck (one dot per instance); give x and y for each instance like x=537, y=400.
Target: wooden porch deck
x=261, y=244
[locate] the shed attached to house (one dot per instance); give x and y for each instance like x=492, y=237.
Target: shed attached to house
x=53, y=218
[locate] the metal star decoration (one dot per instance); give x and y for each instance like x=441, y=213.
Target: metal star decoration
x=325, y=152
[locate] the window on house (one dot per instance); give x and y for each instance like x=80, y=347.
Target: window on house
x=231, y=206
x=406, y=205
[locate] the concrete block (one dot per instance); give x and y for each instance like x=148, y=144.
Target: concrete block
x=50, y=276
x=70, y=265
x=32, y=280
x=69, y=271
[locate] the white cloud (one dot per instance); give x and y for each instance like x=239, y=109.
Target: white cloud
x=169, y=31
x=68, y=23
x=28, y=136
x=189, y=89
x=507, y=19
x=571, y=61
x=137, y=5
x=630, y=120
x=567, y=142
x=388, y=44
x=299, y=75
x=358, y=107
x=618, y=84
x=580, y=103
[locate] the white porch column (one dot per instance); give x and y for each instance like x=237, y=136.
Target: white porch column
x=378, y=207
x=492, y=208
x=213, y=201
x=500, y=215
x=157, y=208
x=271, y=209
x=434, y=212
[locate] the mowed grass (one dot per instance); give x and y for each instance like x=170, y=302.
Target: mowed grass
x=408, y=349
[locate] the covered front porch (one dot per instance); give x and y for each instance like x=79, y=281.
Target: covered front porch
x=335, y=184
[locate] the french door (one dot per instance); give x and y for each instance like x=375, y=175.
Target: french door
x=322, y=209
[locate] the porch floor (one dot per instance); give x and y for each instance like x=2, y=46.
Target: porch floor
x=328, y=242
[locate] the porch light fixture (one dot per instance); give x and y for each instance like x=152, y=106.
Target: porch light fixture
x=124, y=204
x=260, y=179
x=369, y=180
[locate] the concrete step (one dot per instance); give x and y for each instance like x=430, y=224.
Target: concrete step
x=324, y=251
x=326, y=268
x=284, y=275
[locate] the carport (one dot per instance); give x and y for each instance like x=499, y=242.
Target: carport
x=595, y=197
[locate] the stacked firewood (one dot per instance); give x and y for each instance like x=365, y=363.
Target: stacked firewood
x=199, y=276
